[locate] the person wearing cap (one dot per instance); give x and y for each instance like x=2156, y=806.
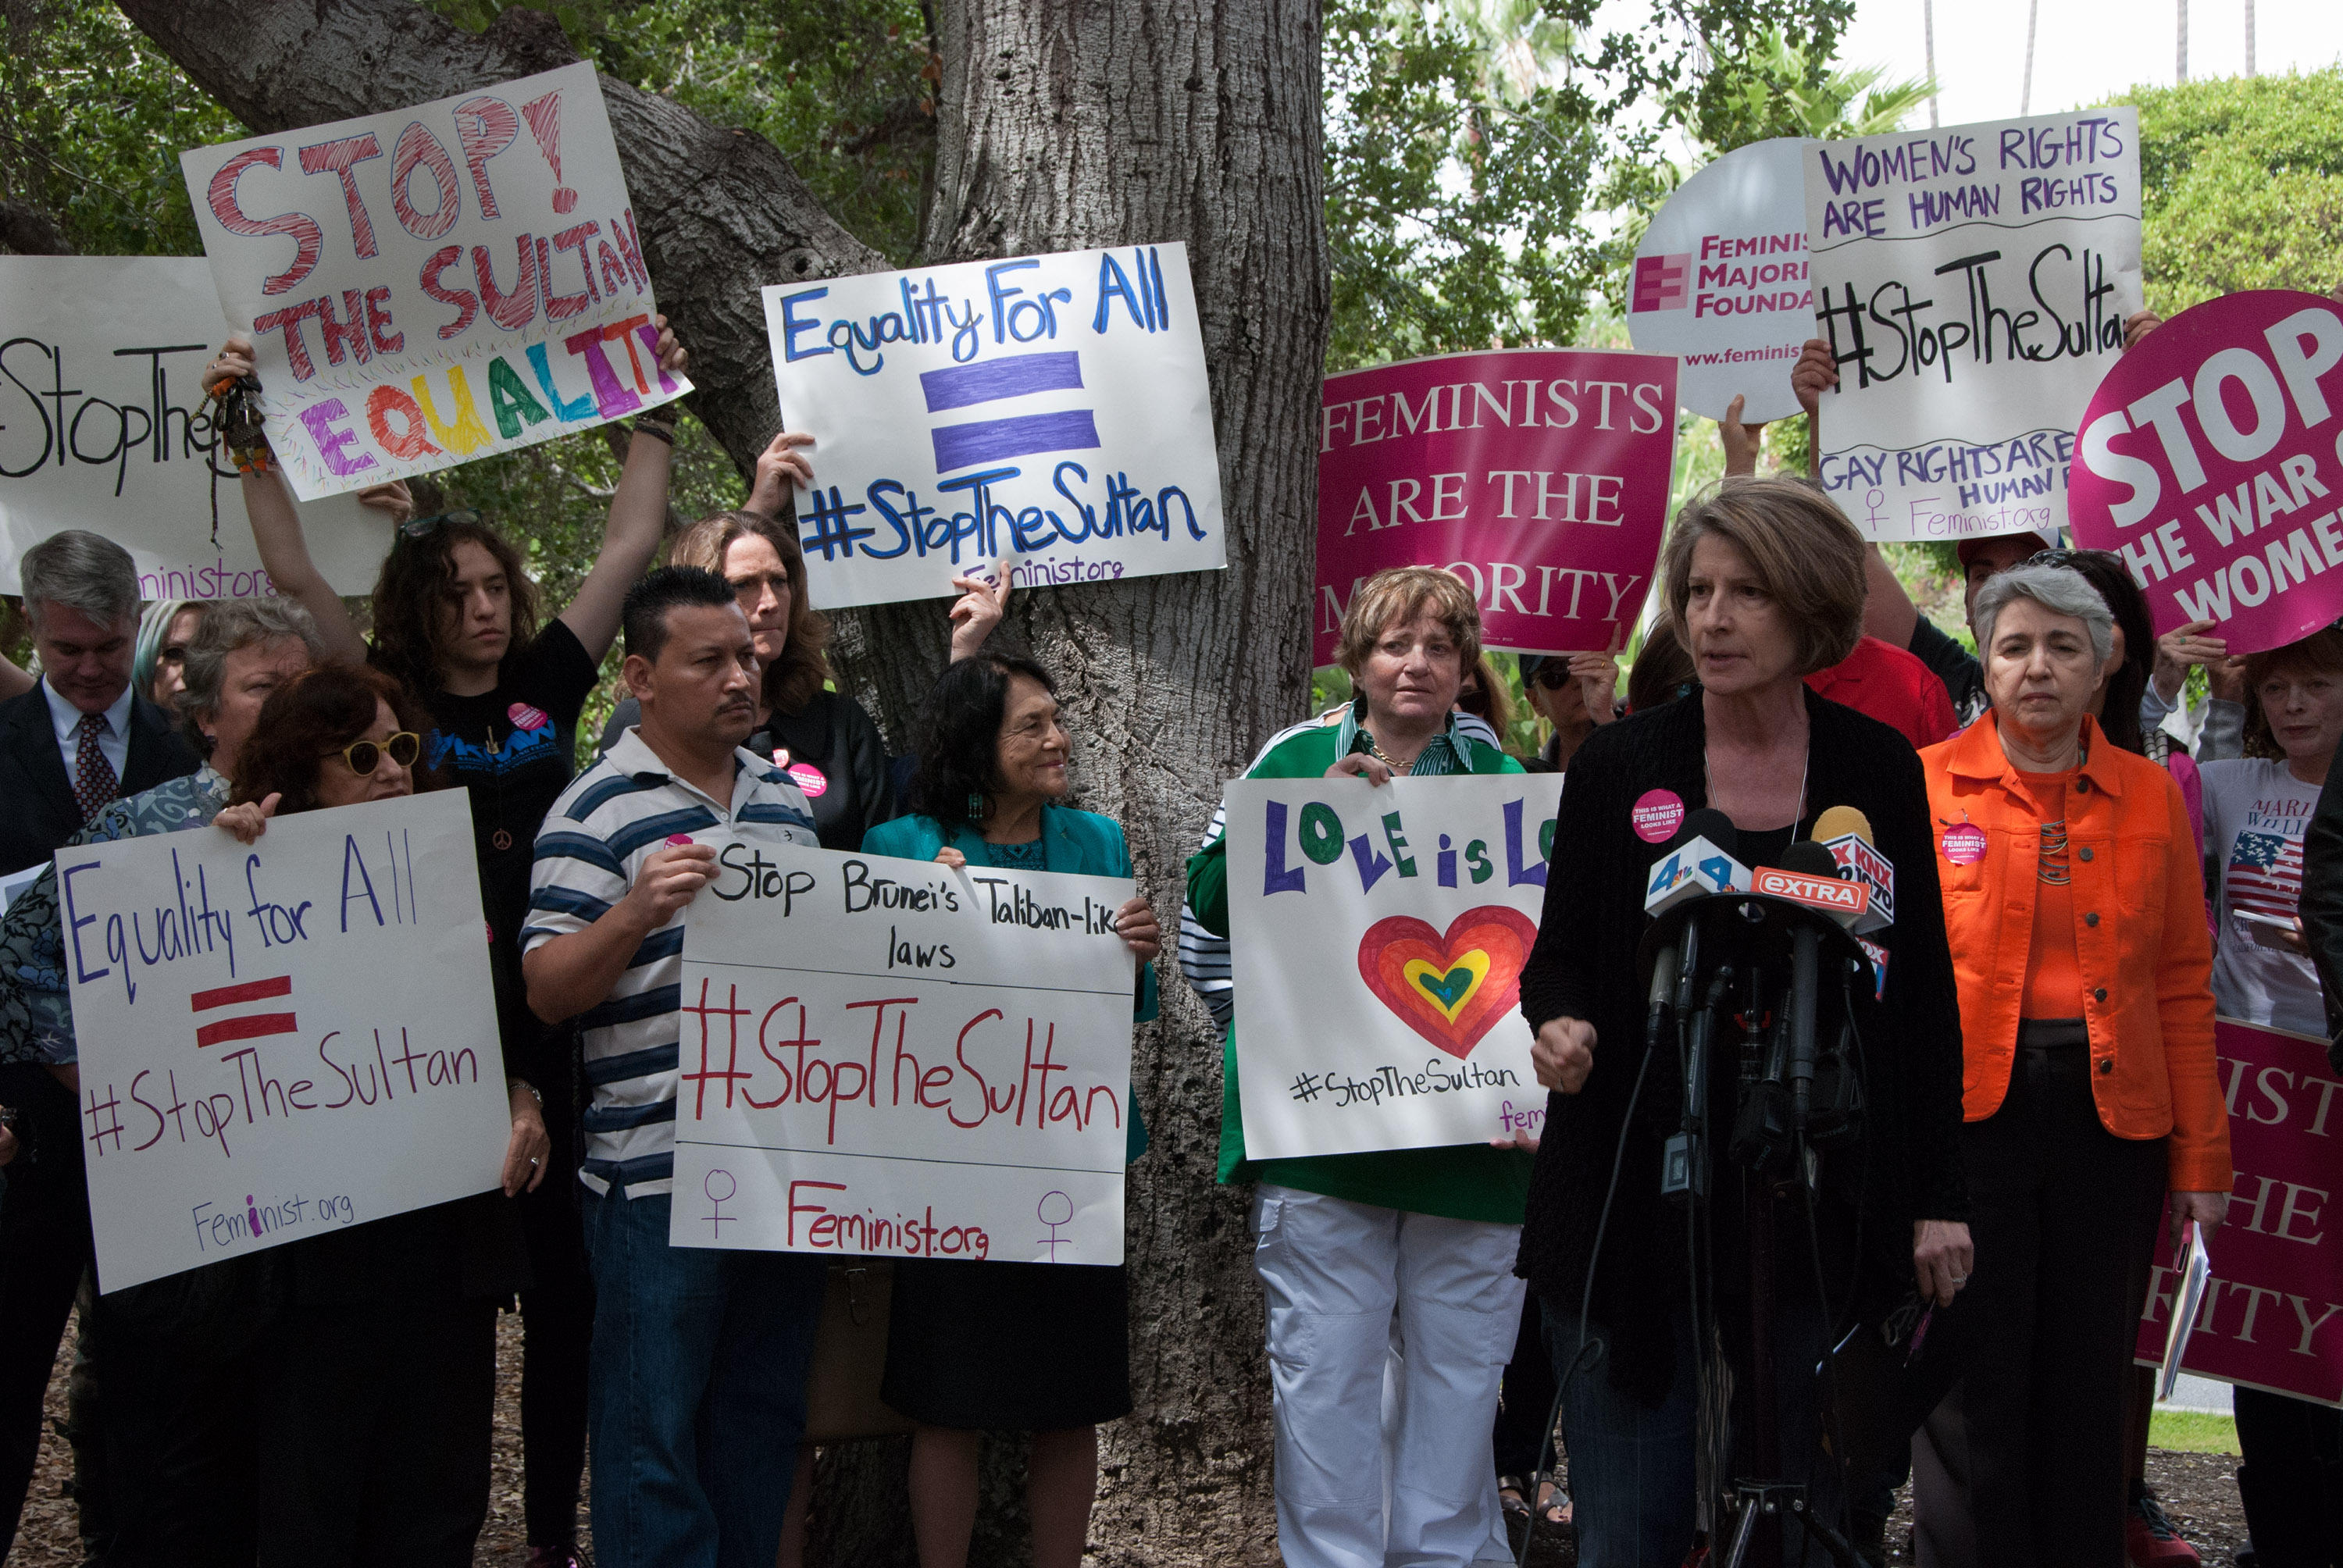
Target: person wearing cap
x=1575, y=693
x=2074, y=910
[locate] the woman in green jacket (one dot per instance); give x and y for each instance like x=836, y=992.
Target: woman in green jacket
x=1359, y=1251
x=1035, y=1347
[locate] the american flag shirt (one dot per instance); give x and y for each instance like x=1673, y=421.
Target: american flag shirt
x=2255, y=814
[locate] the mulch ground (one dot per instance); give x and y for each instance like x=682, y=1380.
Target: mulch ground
x=2199, y=1491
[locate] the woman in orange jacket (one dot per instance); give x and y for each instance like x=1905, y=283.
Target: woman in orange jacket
x=2075, y=909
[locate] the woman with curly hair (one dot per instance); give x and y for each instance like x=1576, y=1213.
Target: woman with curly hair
x=376, y=1395
x=1032, y=1347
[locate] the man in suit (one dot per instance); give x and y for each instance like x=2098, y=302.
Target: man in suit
x=78, y=739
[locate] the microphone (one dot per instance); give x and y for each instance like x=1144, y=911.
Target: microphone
x=1699, y=864
x=1809, y=876
x=1846, y=832
x=1804, y=945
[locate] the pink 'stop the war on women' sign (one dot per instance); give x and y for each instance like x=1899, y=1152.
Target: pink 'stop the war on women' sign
x=1539, y=475
x=2212, y=457
x=462, y=277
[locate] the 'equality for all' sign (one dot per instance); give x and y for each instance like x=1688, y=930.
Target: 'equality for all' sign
x=459, y=278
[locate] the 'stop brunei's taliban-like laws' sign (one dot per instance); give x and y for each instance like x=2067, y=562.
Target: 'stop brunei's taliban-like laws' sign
x=459, y=278
x=1973, y=284
x=1046, y=412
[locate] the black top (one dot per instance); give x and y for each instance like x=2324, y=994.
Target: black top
x=835, y=756
x=1585, y=966
x=41, y=812
x=1955, y=665
x=2322, y=903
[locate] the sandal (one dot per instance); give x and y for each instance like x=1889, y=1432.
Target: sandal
x=1510, y=1498
x=1554, y=1503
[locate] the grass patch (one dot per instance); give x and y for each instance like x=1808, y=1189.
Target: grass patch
x=2192, y=1432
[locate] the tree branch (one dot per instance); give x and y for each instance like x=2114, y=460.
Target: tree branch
x=721, y=212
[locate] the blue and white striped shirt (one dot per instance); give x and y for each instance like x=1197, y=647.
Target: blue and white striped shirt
x=592, y=846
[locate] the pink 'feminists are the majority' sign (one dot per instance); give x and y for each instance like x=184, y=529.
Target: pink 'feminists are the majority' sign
x=2272, y=1316
x=1539, y=475
x=2212, y=457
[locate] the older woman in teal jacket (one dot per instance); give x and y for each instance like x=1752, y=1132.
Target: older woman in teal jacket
x=1035, y=1347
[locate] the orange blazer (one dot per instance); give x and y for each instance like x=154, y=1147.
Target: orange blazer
x=2139, y=938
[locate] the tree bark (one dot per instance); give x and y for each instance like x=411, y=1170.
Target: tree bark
x=1062, y=124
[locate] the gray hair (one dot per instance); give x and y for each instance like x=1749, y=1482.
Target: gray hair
x=228, y=625
x=83, y=571
x=2062, y=590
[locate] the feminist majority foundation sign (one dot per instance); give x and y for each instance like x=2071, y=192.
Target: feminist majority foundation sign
x=459, y=278
x=1539, y=475
x=1720, y=281
x=890, y=1056
x=1377, y=936
x=281, y=1041
x=1973, y=284
x=103, y=425
x=1047, y=410
x=2272, y=1313
x=2212, y=458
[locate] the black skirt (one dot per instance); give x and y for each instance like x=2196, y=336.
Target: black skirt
x=1017, y=1347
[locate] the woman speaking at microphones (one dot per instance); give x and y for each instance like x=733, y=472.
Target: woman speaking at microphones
x=2077, y=913
x=1765, y=583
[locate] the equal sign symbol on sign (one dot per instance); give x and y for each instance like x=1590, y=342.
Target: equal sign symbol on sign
x=1015, y=434
x=244, y=1026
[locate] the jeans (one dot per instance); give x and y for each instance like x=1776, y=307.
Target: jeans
x=696, y=1396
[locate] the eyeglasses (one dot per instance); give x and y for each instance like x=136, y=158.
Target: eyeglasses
x=422, y=528
x=1553, y=676
x=364, y=756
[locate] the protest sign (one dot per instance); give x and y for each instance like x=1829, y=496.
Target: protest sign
x=458, y=279
x=281, y=1041
x=1539, y=475
x=2272, y=1313
x=1973, y=284
x=2211, y=459
x=1378, y=935
x=1047, y=410
x=1721, y=282
x=103, y=425
x=893, y=1057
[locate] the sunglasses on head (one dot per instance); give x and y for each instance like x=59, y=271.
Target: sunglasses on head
x=364, y=756
x=422, y=528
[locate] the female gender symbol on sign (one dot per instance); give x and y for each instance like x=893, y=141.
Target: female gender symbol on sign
x=1041, y=1212
x=715, y=1214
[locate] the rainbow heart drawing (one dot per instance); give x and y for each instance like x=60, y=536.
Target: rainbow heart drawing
x=1450, y=990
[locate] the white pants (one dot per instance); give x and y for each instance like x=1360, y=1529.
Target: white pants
x=1356, y=1292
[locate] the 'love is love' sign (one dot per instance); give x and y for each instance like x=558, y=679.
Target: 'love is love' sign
x=459, y=278
x=1377, y=936
x=2211, y=457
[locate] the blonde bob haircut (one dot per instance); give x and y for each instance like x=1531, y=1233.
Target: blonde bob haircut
x=1399, y=596
x=1805, y=554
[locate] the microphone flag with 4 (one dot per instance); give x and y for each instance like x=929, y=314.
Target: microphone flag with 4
x=1045, y=414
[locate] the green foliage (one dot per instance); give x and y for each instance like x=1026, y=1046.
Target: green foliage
x=2192, y=1432
x=1463, y=140
x=2242, y=180
x=845, y=88
x=96, y=119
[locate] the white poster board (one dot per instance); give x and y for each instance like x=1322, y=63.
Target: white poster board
x=103, y=425
x=1048, y=410
x=1721, y=282
x=280, y=1041
x=1377, y=935
x=890, y=1056
x=462, y=277
x=1973, y=283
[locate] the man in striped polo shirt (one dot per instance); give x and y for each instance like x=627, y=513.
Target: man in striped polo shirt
x=687, y=1341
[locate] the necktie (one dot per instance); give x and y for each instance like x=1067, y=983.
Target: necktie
x=95, y=783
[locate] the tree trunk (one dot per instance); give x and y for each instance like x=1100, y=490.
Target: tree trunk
x=1062, y=124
